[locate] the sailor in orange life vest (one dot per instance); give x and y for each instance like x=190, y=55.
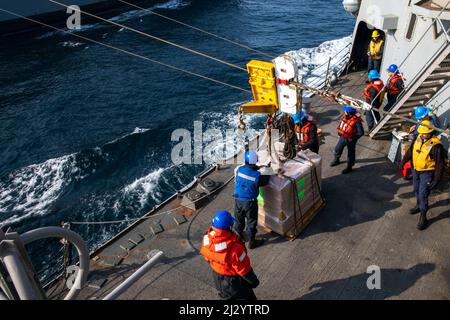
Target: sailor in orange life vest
x=375, y=52
x=350, y=130
x=374, y=96
x=427, y=155
x=394, y=86
x=306, y=132
x=226, y=253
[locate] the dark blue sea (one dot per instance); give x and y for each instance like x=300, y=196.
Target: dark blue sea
x=85, y=131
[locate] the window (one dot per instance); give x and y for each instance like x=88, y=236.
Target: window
x=412, y=25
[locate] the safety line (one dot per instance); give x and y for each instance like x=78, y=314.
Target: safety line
x=198, y=29
x=127, y=52
x=155, y=38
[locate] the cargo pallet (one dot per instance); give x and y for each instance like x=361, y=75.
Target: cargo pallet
x=301, y=223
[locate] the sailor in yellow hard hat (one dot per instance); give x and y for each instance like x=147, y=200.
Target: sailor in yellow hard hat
x=375, y=52
x=427, y=154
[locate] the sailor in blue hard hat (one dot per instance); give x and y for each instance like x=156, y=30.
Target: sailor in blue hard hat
x=306, y=132
x=233, y=274
x=422, y=113
x=374, y=96
x=350, y=130
x=394, y=86
x=223, y=220
x=248, y=179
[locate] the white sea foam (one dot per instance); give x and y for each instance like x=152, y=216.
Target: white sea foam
x=231, y=143
x=31, y=190
x=139, y=130
x=71, y=44
x=144, y=187
x=313, y=62
x=173, y=4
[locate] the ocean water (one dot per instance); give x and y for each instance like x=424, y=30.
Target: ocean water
x=85, y=132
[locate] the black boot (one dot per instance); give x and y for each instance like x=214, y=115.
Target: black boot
x=414, y=210
x=347, y=170
x=254, y=243
x=423, y=221
x=241, y=235
x=335, y=162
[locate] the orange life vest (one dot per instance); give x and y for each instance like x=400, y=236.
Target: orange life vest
x=347, y=127
x=303, y=133
x=225, y=253
x=392, y=89
x=378, y=85
x=311, y=119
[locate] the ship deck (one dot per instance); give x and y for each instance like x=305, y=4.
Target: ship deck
x=365, y=222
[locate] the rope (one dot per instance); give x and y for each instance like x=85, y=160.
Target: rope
x=150, y=216
x=155, y=38
x=127, y=52
x=198, y=29
x=358, y=104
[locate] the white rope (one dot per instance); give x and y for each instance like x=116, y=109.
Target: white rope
x=198, y=29
x=127, y=52
x=155, y=38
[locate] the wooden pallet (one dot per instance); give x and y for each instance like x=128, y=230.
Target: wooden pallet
x=307, y=218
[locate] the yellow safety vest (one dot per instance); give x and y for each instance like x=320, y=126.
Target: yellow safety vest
x=375, y=47
x=421, y=154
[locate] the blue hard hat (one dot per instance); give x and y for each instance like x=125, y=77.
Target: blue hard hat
x=421, y=112
x=250, y=157
x=393, y=68
x=349, y=109
x=373, y=74
x=302, y=115
x=222, y=220
x=298, y=117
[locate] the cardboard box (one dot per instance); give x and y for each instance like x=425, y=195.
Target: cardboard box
x=292, y=193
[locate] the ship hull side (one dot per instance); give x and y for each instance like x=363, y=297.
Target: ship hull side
x=56, y=15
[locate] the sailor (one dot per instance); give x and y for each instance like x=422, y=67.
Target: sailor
x=247, y=182
x=375, y=52
x=226, y=253
x=422, y=113
x=350, y=130
x=306, y=132
x=427, y=155
x=374, y=96
x=394, y=87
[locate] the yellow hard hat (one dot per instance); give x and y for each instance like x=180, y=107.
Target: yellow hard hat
x=375, y=34
x=423, y=129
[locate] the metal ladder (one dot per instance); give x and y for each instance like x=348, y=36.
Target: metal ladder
x=435, y=75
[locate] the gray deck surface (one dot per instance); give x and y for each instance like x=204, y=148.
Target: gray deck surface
x=365, y=222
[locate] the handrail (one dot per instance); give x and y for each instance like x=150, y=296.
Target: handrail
x=340, y=57
x=416, y=76
x=154, y=257
x=426, y=31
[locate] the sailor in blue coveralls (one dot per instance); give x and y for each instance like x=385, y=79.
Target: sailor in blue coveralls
x=247, y=182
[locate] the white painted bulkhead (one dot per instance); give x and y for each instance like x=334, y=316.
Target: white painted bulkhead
x=411, y=55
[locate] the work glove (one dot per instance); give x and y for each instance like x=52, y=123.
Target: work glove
x=251, y=278
x=432, y=185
